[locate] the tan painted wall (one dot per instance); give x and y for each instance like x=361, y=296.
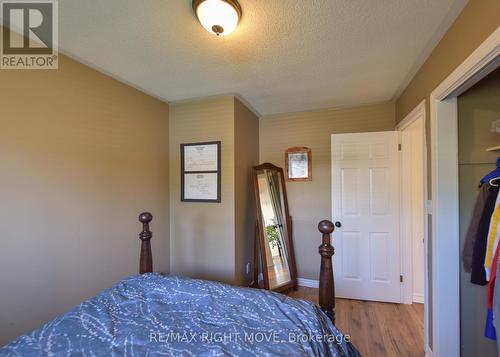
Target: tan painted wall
x=310, y=202
x=81, y=156
x=214, y=240
x=477, y=108
x=246, y=130
x=202, y=241
x=477, y=21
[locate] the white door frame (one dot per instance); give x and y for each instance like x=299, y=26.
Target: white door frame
x=445, y=210
x=406, y=249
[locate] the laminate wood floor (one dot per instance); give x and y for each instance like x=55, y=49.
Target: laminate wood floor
x=377, y=329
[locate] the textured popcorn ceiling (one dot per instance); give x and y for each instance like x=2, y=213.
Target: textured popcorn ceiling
x=285, y=55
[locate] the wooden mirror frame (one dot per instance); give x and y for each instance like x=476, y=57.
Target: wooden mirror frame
x=260, y=240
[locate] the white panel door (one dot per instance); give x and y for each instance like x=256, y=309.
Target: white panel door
x=365, y=204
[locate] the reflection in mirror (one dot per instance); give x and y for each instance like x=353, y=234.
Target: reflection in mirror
x=276, y=252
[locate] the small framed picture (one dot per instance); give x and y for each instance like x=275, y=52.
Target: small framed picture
x=298, y=164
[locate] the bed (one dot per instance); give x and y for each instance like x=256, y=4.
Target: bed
x=158, y=315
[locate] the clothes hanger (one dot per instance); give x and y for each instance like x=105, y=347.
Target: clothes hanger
x=493, y=175
x=492, y=181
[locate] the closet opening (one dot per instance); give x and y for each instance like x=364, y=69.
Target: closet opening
x=444, y=265
x=479, y=213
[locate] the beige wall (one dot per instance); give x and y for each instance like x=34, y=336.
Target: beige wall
x=477, y=109
x=202, y=234
x=81, y=156
x=210, y=240
x=477, y=21
x=310, y=202
x=246, y=130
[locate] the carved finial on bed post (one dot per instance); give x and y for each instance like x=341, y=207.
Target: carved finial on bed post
x=146, y=263
x=326, y=286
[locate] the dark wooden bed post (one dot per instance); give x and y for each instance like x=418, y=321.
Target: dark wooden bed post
x=146, y=263
x=326, y=286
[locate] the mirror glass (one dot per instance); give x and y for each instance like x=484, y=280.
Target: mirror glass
x=273, y=223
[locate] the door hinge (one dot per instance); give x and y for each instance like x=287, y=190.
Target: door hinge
x=429, y=207
x=400, y=278
x=399, y=147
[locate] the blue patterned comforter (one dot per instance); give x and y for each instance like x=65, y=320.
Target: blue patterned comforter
x=157, y=315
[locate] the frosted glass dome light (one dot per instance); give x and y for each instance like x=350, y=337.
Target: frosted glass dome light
x=219, y=17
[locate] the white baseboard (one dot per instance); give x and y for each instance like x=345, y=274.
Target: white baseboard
x=311, y=283
x=418, y=298
x=308, y=283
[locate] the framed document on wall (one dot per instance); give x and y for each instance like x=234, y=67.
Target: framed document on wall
x=201, y=172
x=298, y=164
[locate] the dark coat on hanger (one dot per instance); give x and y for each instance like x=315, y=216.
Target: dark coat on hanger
x=472, y=231
x=478, y=274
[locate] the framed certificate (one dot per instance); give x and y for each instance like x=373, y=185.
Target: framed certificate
x=201, y=172
x=298, y=164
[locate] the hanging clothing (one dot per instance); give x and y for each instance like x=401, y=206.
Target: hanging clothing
x=493, y=174
x=478, y=273
x=493, y=237
x=490, y=329
x=496, y=302
x=472, y=231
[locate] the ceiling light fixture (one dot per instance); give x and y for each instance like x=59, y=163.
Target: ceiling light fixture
x=219, y=17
